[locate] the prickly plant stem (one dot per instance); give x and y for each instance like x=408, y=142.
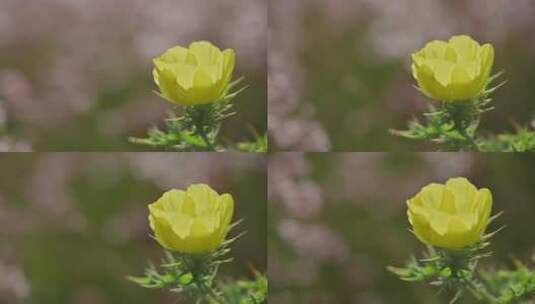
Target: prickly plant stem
x=462, y=116
x=478, y=290
x=206, y=291
x=202, y=133
x=211, y=293
x=481, y=292
x=201, y=127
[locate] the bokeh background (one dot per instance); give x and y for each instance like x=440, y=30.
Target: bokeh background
x=339, y=70
x=77, y=75
x=73, y=226
x=337, y=220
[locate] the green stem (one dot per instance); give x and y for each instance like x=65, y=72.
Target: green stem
x=199, y=119
x=199, y=275
x=204, y=137
x=462, y=116
x=209, y=292
x=459, y=261
x=481, y=292
x=471, y=143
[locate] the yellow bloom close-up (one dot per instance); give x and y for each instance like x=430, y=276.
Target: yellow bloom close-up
x=452, y=215
x=194, y=221
x=195, y=75
x=454, y=70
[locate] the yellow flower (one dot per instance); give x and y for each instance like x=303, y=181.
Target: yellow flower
x=450, y=216
x=196, y=75
x=192, y=221
x=453, y=70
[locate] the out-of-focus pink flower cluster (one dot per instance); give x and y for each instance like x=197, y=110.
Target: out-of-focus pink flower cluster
x=362, y=178
x=289, y=184
x=13, y=283
x=300, y=202
x=291, y=123
x=49, y=183
x=392, y=33
x=59, y=56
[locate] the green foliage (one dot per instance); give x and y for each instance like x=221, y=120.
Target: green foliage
x=260, y=144
x=246, y=291
x=183, y=273
x=197, y=128
x=511, y=286
x=455, y=271
x=193, y=277
x=453, y=126
x=522, y=141
x=450, y=270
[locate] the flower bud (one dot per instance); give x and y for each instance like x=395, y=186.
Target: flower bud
x=193, y=221
x=455, y=70
x=450, y=216
x=196, y=75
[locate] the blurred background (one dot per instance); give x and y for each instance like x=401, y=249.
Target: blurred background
x=335, y=222
x=339, y=70
x=73, y=226
x=77, y=75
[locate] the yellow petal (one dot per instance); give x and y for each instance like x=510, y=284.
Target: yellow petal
x=205, y=198
x=450, y=54
x=460, y=68
x=425, y=79
x=451, y=216
x=192, y=221
x=166, y=81
x=171, y=200
x=227, y=202
x=420, y=227
x=199, y=228
x=473, y=68
x=205, y=52
x=466, y=47
x=205, y=89
x=197, y=75
x=418, y=59
x=421, y=211
x=442, y=71
x=431, y=195
x=435, y=49
x=458, y=235
x=163, y=232
x=484, y=202
x=185, y=75
x=464, y=193
x=486, y=54
x=189, y=206
x=457, y=226
x=439, y=222
x=447, y=204
x=173, y=55
x=460, y=76
x=181, y=225
x=211, y=222
x=229, y=62
x=205, y=76
x=462, y=87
